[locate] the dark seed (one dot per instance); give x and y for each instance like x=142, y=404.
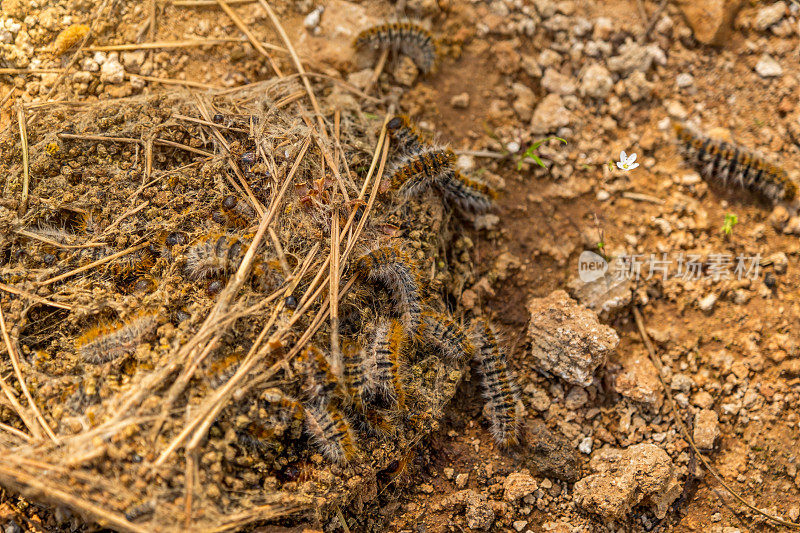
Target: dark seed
x=218, y=118
x=291, y=302
x=229, y=202
x=290, y=473
x=181, y=315
x=249, y=159
x=394, y=123
x=770, y=281
x=214, y=287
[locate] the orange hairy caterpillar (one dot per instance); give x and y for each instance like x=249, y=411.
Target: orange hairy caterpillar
x=468, y=194
x=214, y=254
x=730, y=164
x=238, y=212
x=391, y=266
x=406, y=139
x=134, y=264
x=107, y=342
x=330, y=430
x=320, y=379
x=415, y=172
x=450, y=338
x=406, y=38
x=380, y=364
x=500, y=388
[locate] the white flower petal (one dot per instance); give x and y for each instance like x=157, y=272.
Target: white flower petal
x=633, y=166
x=620, y=165
x=632, y=158
x=623, y=156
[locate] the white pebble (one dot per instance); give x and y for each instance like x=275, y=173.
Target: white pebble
x=312, y=19
x=586, y=446
x=513, y=147
x=684, y=79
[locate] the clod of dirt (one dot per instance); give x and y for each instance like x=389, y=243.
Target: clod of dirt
x=550, y=454
x=625, y=478
x=706, y=429
x=478, y=508
x=710, y=20
x=518, y=485
x=567, y=339
x=606, y=296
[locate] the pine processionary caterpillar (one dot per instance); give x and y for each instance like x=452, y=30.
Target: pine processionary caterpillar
x=380, y=375
x=407, y=38
x=468, y=194
x=330, y=431
x=320, y=379
x=728, y=163
x=450, y=338
x=213, y=255
x=393, y=267
x=238, y=212
x=107, y=342
x=500, y=388
x=415, y=172
x=406, y=139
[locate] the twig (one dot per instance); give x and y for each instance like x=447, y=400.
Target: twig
x=51, y=242
x=639, y=197
x=23, y=136
x=172, y=81
x=482, y=153
x=7, y=97
x=189, y=43
x=17, y=433
x=206, y=3
x=252, y=38
x=376, y=73
x=336, y=355
x=12, y=353
x=33, y=428
x=208, y=123
x=637, y=315
x=94, y=264
x=36, y=298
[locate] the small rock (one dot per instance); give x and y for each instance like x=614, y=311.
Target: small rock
x=603, y=195
x=550, y=115
x=768, y=67
x=710, y=20
x=519, y=525
x=460, y=101
x=555, y=82
x=676, y=110
x=523, y=101
x=112, y=71
x=706, y=303
x=585, y=445
x=133, y=60
x=632, y=57
x=626, y=478
x=518, y=485
x=596, y=81
x=567, y=338
x=461, y=480
x=684, y=79
x=550, y=453
x=779, y=217
x=780, y=262
x=479, y=514
x=426, y=488
x=448, y=473
x=603, y=28
x=312, y=20
x=769, y=15
x=706, y=429
x=405, y=72
x=636, y=87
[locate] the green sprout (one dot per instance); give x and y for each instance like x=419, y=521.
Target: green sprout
x=530, y=153
x=730, y=221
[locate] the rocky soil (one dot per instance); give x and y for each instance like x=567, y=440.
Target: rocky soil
x=607, y=453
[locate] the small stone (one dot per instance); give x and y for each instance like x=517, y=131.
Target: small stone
x=524, y=99
x=448, y=473
x=519, y=525
x=603, y=195
x=706, y=303
x=112, y=72
x=461, y=480
x=576, y=399
x=427, y=488
x=555, y=82
x=676, y=110
x=405, y=72
x=133, y=60
x=550, y=453
x=567, y=338
x=518, y=485
x=585, y=445
x=779, y=217
x=769, y=15
x=550, y=115
x=780, y=262
x=312, y=20
x=684, y=79
x=487, y=222
x=768, y=67
x=460, y=101
x=711, y=20
x=596, y=81
x=513, y=147
x=706, y=429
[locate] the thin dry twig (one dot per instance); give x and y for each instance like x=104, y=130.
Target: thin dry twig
x=23, y=136
x=93, y=264
x=17, y=433
x=12, y=353
x=37, y=298
x=252, y=38
x=637, y=315
x=21, y=413
x=188, y=43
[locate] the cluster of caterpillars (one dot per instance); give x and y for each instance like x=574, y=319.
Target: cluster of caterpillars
x=407, y=38
x=365, y=387
x=420, y=165
x=731, y=165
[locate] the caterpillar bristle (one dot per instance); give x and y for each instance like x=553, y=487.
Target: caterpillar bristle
x=107, y=342
x=407, y=38
x=406, y=139
x=213, y=255
x=729, y=164
x=468, y=194
x=416, y=172
x=448, y=337
x=499, y=387
x=330, y=431
x=391, y=266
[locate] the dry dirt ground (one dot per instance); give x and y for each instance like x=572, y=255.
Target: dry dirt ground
x=516, y=72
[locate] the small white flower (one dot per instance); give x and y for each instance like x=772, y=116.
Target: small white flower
x=627, y=163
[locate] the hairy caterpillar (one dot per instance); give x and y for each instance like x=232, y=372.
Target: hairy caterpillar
x=107, y=342
x=500, y=388
x=466, y=193
x=380, y=364
x=213, y=255
x=417, y=171
x=406, y=139
x=238, y=212
x=407, y=38
x=394, y=268
x=223, y=368
x=134, y=264
x=330, y=431
x=728, y=163
x=320, y=379
x=450, y=338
